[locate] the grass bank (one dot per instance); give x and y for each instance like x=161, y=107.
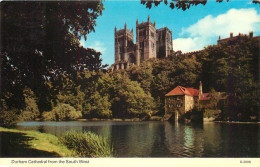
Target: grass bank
x=18, y=143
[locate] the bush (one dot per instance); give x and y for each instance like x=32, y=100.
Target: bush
x=211, y=113
x=8, y=118
x=87, y=144
x=31, y=111
x=62, y=112
x=49, y=116
x=98, y=106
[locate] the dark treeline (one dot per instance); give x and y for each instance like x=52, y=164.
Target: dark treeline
x=43, y=76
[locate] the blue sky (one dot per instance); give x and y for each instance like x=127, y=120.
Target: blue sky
x=192, y=29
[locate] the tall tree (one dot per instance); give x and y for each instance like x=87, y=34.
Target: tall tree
x=40, y=41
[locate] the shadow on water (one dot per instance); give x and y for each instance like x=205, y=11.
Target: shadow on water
x=16, y=145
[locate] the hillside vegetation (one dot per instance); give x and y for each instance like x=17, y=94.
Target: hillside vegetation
x=138, y=92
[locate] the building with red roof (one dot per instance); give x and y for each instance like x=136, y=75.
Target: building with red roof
x=181, y=100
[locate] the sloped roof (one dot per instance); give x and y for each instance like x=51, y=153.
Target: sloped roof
x=205, y=96
x=179, y=90
x=194, y=92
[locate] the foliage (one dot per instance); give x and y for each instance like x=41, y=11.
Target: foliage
x=130, y=99
x=232, y=67
x=211, y=113
x=62, y=112
x=40, y=43
x=43, y=66
x=214, y=99
x=183, y=4
x=180, y=4
x=87, y=144
x=49, y=116
x=113, y=95
x=31, y=111
x=159, y=76
x=69, y=92
x=96, y=86
x=8, y=118
x=98, y=106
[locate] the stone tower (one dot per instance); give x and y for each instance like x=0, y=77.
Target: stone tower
x=164, y=42
x=150, y=43
x=146, y=40
x=124, y=47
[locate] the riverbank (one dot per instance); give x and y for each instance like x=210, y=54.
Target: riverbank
x=19, y=143
x=161, y=119
x=154, y=118
x=236, y=122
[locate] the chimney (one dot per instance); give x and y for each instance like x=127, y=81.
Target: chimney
x=219, y=38
x=231, y=35
x=200, y=90
x=148, y=19
x=251, y=34
x=125, y=26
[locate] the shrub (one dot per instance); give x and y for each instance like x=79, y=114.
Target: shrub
x=87, y=144
x=49, y=116
x=31, y=111
x=98, y=106
x=62, y=112
x=8, y=118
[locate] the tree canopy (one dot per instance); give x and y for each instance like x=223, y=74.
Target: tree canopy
x=180, y=4
x=40, y=42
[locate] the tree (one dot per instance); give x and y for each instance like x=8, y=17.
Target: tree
x=130, y=100
x=40, y=42
x=180, y=4
x=62, y=112
x=98, y=106
x=98, y=90
x=232, y=67
x=31, y=111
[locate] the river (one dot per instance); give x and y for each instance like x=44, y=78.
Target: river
x=165, y=139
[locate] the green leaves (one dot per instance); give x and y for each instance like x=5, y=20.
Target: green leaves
x=87, y=144
x=40, y=42
x=62, y=112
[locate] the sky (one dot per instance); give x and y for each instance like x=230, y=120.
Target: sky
x=192, y=29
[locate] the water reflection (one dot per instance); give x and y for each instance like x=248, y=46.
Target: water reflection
x=165, y=139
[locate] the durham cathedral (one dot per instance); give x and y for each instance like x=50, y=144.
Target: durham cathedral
x=150, y=43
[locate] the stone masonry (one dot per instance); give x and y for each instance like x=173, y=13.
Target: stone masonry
x=150, y=43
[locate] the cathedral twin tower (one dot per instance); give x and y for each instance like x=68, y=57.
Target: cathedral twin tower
x=150, y=43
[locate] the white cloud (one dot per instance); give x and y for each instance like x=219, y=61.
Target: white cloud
x=209, y=28
x=97, y=45
x=185, y=44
